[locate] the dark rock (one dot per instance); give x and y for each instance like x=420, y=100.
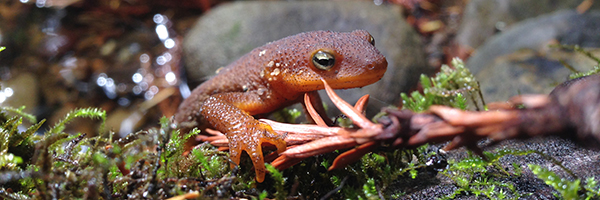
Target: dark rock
x=232, y=30
x=520, y=61
x=483, y=18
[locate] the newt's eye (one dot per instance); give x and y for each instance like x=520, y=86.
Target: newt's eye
x=323, y=60
x=372, y=40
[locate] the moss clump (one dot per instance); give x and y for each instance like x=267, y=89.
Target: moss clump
x=477, y=176
x=576, y=189
x=145, y=164
x=451, y=86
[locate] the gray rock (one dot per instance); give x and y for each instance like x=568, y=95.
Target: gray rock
x=231, y=30
x=520, y=61
x=483, y=18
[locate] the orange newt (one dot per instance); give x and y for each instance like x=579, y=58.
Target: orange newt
x=276, y=75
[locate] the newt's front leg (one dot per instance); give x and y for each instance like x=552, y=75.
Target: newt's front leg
x=243, y=131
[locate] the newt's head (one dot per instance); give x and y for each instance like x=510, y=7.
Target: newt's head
x=344, y=60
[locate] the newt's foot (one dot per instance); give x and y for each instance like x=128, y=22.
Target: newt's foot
x=249, y=137
x=243, y=132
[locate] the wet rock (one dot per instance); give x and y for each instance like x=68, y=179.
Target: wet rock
x=575, y=158
x=484, y=18
x=520, y=61
x=581, y=161
x=231, y=30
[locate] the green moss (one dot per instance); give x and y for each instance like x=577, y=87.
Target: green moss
x=576, y=189
x=279, y=182
x=142, y=163
x=451, y=87
x=592, y=188
x=262, y=195
x=19, y=112
x=483, y=176
x=11, y=138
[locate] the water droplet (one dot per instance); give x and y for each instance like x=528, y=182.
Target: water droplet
x=162, y=32
x=8, y=92
x=137, y=77
x=275, y=72
x=101, y=81
x=261, y=91
x=161, y=60
x=261, y=53
x=144, y=58
x=171, y=78
x=137, y=89
x=158, y=18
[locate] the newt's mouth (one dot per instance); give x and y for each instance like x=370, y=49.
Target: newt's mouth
x=352, y=79
x=357, y=81
x=337, y=79
x=344, y=82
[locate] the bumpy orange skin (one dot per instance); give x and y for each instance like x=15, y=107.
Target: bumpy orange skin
x=273, y=76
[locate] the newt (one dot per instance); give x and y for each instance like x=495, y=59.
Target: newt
x=274, y=76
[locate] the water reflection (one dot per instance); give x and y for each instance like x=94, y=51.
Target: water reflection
x=5, y=93
x=92, y=54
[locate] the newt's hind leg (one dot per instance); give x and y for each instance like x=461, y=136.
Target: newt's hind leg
x=243, y=132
